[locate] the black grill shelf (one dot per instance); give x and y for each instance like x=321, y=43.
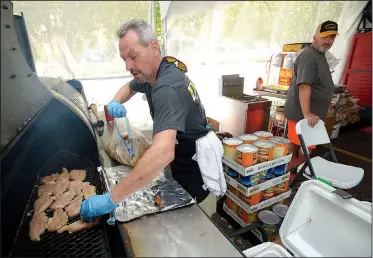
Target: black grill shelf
x=87, y=243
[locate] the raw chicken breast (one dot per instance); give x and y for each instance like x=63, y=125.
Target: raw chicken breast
x=60, y=187
x=51, y=179
x=77, y=174
x=74, y=207
x=38, y=225
x=42, y=203
x=63, y=176
x=59, y=220
x=78, y=226
x=63, y=200
x=45, y=190
x=89, y=190
x=77, y=186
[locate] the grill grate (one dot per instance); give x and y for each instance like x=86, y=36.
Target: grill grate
x=87, y=243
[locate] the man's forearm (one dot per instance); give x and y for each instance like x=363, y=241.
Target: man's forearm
x=148, y=167
x=124, y=94
x=305, y=98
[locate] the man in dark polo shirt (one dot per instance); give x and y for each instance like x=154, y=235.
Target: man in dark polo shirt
x=176, y=109
x=311, y=88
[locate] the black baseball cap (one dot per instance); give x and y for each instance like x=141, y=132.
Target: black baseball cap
x=327, y=28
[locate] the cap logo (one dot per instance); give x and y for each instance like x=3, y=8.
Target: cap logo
x=330, y=27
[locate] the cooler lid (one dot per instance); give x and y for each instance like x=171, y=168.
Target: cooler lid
x=320, y=223
x=267, y=249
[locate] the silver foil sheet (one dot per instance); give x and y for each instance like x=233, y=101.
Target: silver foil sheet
x=143, y=201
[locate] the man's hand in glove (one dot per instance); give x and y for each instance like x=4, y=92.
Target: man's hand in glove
x=116, y=109
x=97, y=205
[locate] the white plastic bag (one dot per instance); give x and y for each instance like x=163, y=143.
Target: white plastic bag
x=128, y=143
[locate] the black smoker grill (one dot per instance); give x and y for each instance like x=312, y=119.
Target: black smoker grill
x=42, y=130
x=88, y=243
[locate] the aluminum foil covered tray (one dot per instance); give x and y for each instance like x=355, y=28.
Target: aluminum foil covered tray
x=164, y=193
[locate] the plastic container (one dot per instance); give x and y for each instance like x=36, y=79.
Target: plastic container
x=247, y=155
x=230, y=145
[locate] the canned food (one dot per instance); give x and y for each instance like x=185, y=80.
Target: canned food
x=250, y=180
x=280, y=210
x=248, y=217
x=270, y=174
x=268, y=193
x=281, y=188
x=269, y=221
x=281, y=146
x=232, y=173
x=265, y=152
x=229, y=146
x=229, y=202
x=262, y=176
x=248, y=138
x=231, y=189
x=246, y=155
x=252, y=199
x=263, y=135
x=235, y=208
x=280, y=170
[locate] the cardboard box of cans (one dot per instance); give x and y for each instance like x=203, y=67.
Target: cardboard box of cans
x=258, y=198
x=253, y=153
x=280, y=183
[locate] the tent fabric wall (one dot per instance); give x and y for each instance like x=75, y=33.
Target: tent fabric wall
x=197, y=35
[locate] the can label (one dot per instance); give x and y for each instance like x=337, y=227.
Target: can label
x=279, y=152
x=263, y=155
x=269, y=190
x=270, y=229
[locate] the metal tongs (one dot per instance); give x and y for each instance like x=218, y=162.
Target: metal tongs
x=111, y=220
x=131, y=150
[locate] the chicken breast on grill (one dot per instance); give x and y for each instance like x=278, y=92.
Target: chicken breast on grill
x=51, y=179
x=79, y=225
x=63, y=200
x=45, y=190
x=74, y=207
x=76, y=174
x=59, y=220
x=42, y=203
x=89, y=190
x=64, y=176
x=77, y=186
x=38, y=225
x=60, y=187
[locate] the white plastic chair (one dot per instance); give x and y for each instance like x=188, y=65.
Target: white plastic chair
x=339, y=175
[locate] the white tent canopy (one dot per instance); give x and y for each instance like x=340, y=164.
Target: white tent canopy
x=240, y=36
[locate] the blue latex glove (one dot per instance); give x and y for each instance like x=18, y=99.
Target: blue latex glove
x=116, y=109
x=97, y=205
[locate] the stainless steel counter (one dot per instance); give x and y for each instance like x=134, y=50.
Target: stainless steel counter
x=182, y=232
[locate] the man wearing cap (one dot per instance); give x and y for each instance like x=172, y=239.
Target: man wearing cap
x=311, y=88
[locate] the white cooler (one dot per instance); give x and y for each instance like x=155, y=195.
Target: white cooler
x=320, y=223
